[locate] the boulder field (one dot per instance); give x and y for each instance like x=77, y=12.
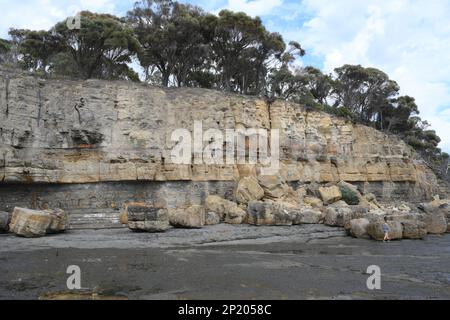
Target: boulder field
x=267, y=201
x=270, y=201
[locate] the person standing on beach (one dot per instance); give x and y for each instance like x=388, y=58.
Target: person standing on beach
x=386, y=230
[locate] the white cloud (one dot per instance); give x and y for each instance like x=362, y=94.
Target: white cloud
x=253, y=7
x=410, y=40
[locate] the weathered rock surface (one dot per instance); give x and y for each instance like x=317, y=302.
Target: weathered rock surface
x=414, y=229
x=248, y=190
x=188, y=217
x=375, y=230
x=211, y=218
x=338, y=214
x=358, y=228
x=330, y=194
x=308, y=216
x=33, y=223
x=261, y=213
x=116, y=137
x=435, y=217
x=313, y=202
x=273, y=186
x=147, y=218
x=227, y=210
x=59, y=222
x=5, y=218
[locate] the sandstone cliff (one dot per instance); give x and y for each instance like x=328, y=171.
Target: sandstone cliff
x=95, y=144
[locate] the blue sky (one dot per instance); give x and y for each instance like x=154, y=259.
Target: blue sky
x=408, y=39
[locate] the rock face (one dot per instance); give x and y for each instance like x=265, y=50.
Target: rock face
x=97, y=144
x=5, y=218
x=33, y=223
x=146, y=218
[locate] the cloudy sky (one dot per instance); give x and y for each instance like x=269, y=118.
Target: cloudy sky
x=408, y=39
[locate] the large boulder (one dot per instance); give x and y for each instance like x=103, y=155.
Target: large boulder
x=248, y=190
x=435, y=217
x=273, y=186
x=37, y=223
x=261, y=213
x=142, y=217
x=350, y=193
x=192, y=217
x=338, y=215
x=413, y=229
x=442, y=206
x=228, y=211
x=330, y=195
x=436, y=223
x=308, y=216
x=358, y=228
x=375, y=230
x=5, y=218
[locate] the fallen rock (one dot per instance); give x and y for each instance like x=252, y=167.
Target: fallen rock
x=30, y=223
x=192, y=217
x=261, y=213
x=371, y=200
x=349, y=193
x=301, y=193
x=404, y=208
x=358, y=228
x=435, y=217
x=330, y=195
x=273, y=186
x=5, y=218
x=228, y=211
x=248, y=190
x=59, y=222
x=336, y=216
x=414, y=229
x=308, y=216
x=313, y=202
x=375, y=230
x=146, y=218
x=435, y=223
x=211, y=218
